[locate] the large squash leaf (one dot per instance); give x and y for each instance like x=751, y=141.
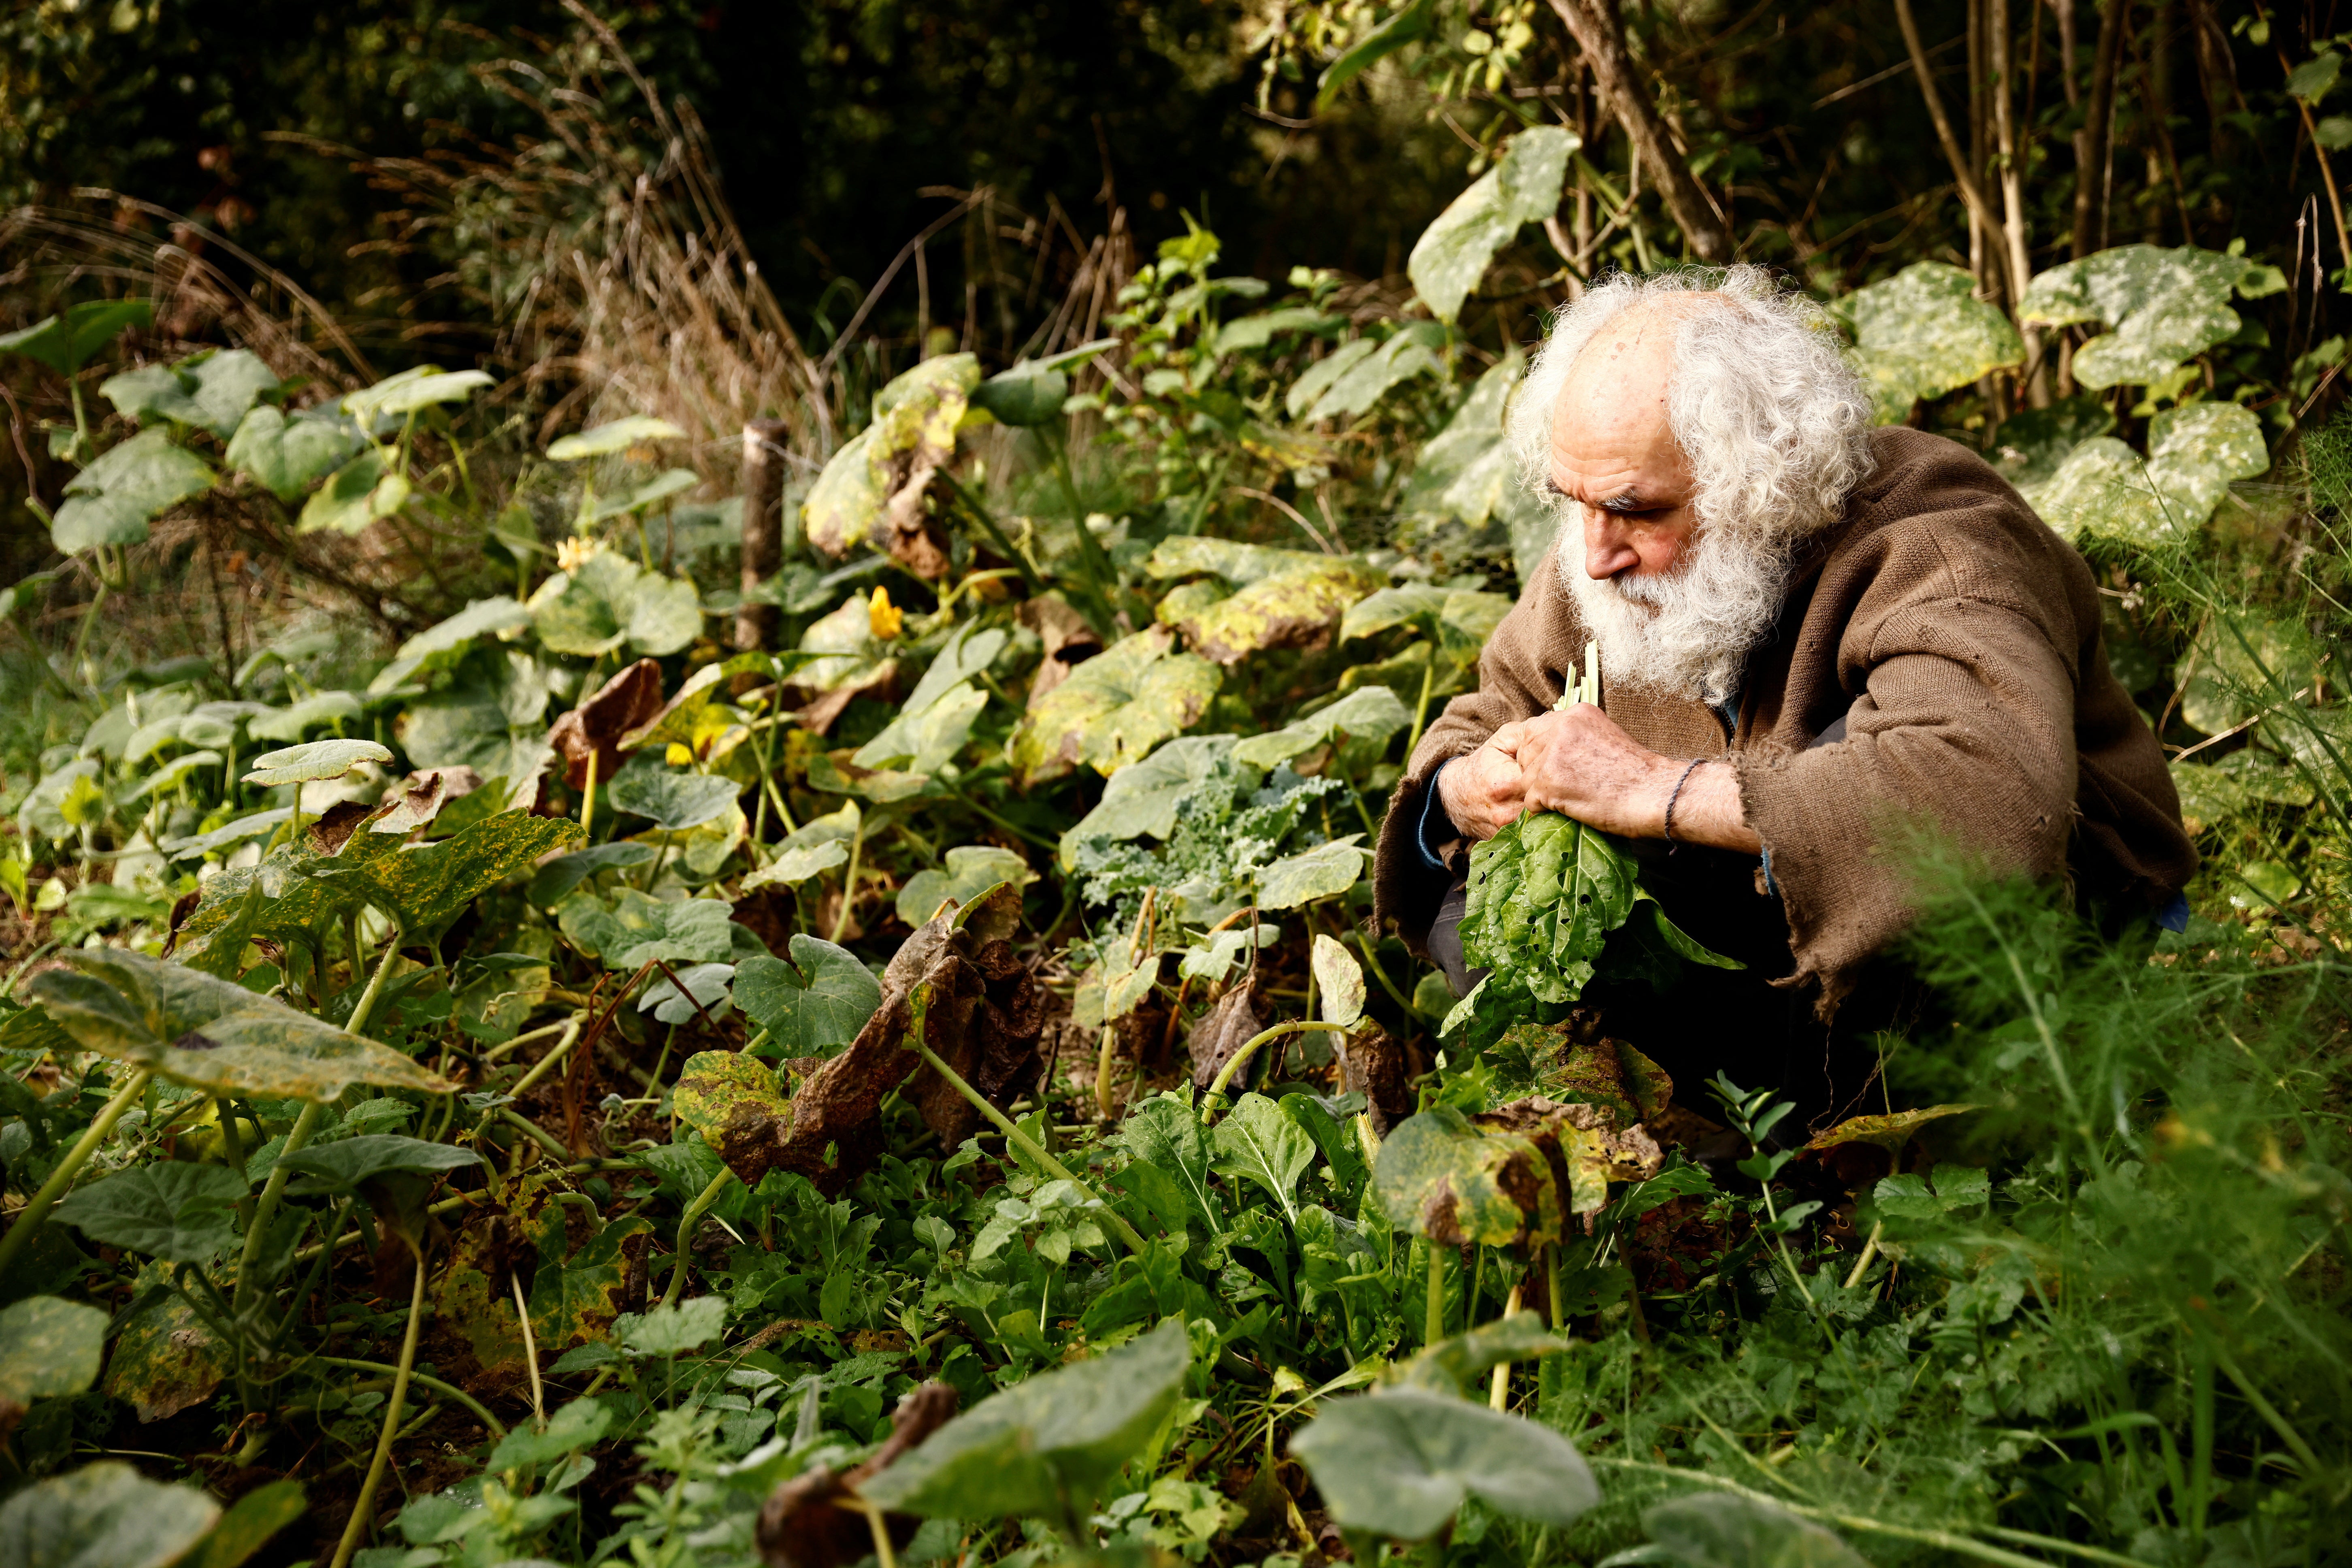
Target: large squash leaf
x=112, y=500
x=1401, y=1463
x=815, y=1004
x=2195, y=451
x=1523, y=187
x=1113, y=709
x=608, y=600
x=1923, y=332
x=2163, y=307
x=105, y=1515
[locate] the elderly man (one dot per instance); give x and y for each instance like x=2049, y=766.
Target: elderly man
x=1811, y=633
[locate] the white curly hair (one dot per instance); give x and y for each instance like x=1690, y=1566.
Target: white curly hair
x=1776, y=426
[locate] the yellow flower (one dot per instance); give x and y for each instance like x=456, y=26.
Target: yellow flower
x=575, y=550
x=882, y=616
x=679, y=755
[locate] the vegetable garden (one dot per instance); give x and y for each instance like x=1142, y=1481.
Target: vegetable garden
x=825, y=1009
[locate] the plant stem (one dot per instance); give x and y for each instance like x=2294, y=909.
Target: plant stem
x=496, y=1427
x=588, y=798
x=529, y=1351
x=362, y=1511
x=266, y=1208
x=1420, y=708
x=693, y=1217
x=1433, y=1326
x=1234, y=1063
x=1102, y=1071
x=849, y=881
x=1869, y=1251
x=20, y=1234
x=361, y=1013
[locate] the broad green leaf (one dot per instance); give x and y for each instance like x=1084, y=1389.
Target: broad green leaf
x=1141, y=800
x=1258, y=330
x=65, y=342
x=1923, y=332
x=1719, y=1530
x=49, y=1346
x=1364, y=380
x=699, y=988
x=1193, y=554
x=926, y=739
x=1408, y=24
x=1401, y=1463
x=608, y=440
x=720, y=1092
x=347, y=1163
x=2195, y=451
x=212, y=1034
x=2034, y=441
x=560, y=875
x=112, y=500
x=1114, y=709
x=173, y=1210
x=428, y=885
x=105, y=1515
x=168, y=777
x=1372, y=713
x=608, y=600
x=2312, y=80
x=817, y=845
x=248, y=1525
x=1523, y=187
x=1046, y=1446
x=319, y=708
x=285, y=452
x=442, y=646
x=970, y=870
x=661, y=487
x=885, y=467
x=1393, y=607
x=1338, y=981
x=1298, y=609
x=668, y=1330
x=815, y=1004
x=634, y=929
x=236, y=831
x=578, y=1424
x=355, y=495
x=1215, y=962
x=1165, y=1133
x=211, y=393
x=1322, y=872
x=1440, y=1177
x=410, y=389
x=1452, y=1365
x=1023, y=395
x=2163, y=307
x=1544, y=894
x=672, y=800
x=1257, y=1142
x=489, y=718
x=317, y=760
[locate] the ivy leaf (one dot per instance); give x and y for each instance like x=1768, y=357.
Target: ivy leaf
x=212, y=1034
x=1258, y=1144
x=1523, y=187
x=1923, y=332
x=179, y=1212
x=65, y=342
x=49, y=1346
x=815, y=1004
x=1113, y=709
x=112, y=500
x=1325, y=871
x=1045, y=1446
x=105, y=1515
x=970, y=871
x=1401, y=1463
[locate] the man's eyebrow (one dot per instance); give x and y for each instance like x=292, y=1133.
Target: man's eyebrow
x=1624, y=500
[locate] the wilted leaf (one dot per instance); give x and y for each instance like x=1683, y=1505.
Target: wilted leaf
x=1719, y=1530
x=105, y=1515
x=1325, y=871
x=1587, y=1146
x=112, y=500
x=1113, y=709
x=49, y=1346
x=285, y=452
x=1440, y=1177
x=1338, y=981
x=212, y=1034
x=608, y=600
x=970, y=870
x=173, y=1210
x=609, y=440
x=871, y=492
x=598, y=727
x=1370, y=713
x=1603, y=1072
x=318, y=760
x=1523, y=187
x=1889, y=1132
x=2164, y=306
x=1257, y=1142
x=1046, y=1446
x=1401, y=1463
x=1300, y=608
x=812, y=1005
x=1923, y=332
x=732, y=1099
x=635, y=929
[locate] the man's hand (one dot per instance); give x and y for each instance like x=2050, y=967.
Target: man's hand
x=1577, y=761
x=1482, y=792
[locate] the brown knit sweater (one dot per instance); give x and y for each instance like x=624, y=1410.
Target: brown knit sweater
x=1959, y=639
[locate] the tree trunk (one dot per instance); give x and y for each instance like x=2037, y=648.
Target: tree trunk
x=1594, y=26
x=2091, y=143
x=763, y=489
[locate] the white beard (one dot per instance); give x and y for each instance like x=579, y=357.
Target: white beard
x=1688, y=633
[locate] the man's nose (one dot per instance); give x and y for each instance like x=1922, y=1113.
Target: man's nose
x=1608, y=547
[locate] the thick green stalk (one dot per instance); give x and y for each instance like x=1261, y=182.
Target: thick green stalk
x=1433, y=1326
x=1234, y=1063
x=366, y=1007
x=20, y=1234
x=1420, y=708
x=849, y=881
x=693, y=1217
x=356, y=1529
x=305, y=1124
